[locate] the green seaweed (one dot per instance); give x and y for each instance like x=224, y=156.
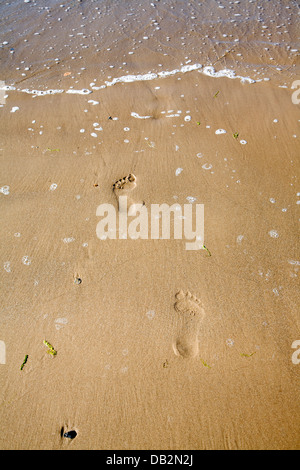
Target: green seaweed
x=209, y=253
x=205, y=364
x=216, y=94
x=248, y=355
x=198, y=123
x=235, y=135
x=24, y=362
x=51, y=349
x=52, y=150
x=52, y=352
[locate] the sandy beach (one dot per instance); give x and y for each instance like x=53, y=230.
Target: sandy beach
x=149, y=345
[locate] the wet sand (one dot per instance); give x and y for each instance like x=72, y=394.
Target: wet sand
x=157, y=347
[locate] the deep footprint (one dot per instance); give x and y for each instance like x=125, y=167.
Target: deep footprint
x=192, y=313
x=123, y=187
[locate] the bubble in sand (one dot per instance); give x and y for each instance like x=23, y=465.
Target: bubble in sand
x=26, y=260
x=207, y=166
x=7, y=266
x=68, y=240
x=220, y=131
x=4, y=190
x=53, y=187
x=294, y=262
x=150, y=314
x=243, y=142
x=93, y=102
x=137, y=116
x=60, y=322
x=273, y=234
x=178, y=171
x=84, y=91
x=187, y=118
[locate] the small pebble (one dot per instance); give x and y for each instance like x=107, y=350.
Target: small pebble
x=70, y=434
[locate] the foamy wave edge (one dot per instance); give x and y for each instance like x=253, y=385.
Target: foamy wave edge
x=207, y=70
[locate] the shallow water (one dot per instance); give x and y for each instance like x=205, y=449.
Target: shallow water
x=102, y=40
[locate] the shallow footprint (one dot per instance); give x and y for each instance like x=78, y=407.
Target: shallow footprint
x=192, y=313
x=123, y=187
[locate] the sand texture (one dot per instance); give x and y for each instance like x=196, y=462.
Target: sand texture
x=153, y=346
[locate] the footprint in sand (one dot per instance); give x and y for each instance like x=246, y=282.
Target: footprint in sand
x=192, y=313
x=124, y=187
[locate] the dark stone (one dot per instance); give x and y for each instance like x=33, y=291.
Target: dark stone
x=70, y=434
